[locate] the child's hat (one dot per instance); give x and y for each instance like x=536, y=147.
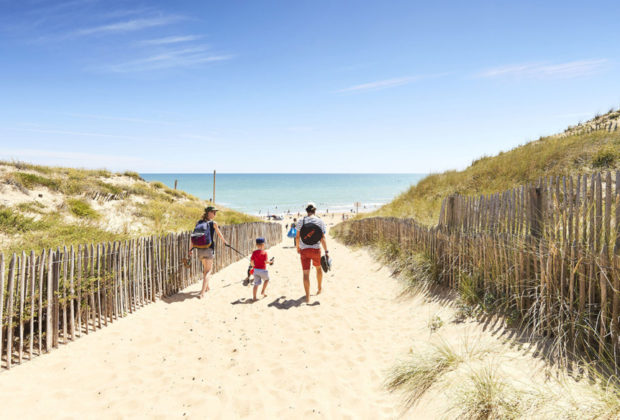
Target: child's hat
x=260, y=241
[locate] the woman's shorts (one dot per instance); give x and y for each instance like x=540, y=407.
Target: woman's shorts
x=205, y=253
x=260, y=275
x=310, y=254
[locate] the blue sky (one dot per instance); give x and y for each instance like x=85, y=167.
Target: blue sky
x=297, y=86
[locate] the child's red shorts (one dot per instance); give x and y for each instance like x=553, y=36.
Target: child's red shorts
x=310, y=254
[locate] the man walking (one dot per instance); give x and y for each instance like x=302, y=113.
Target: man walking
x=310, y=237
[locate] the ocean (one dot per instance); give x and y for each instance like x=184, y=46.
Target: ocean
x=262, y=194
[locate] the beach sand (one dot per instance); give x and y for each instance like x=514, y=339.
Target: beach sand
x=223, y=357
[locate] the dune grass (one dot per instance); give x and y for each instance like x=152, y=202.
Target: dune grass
x=82, y=209
x=487, y=396
x=422, y=370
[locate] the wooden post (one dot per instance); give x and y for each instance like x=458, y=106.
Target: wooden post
x=450, y=213
x=55, y=302
x=1, y=301
x=175, y=184
x=50, y=294
x=22, y=297
x=71, y=294
x=42, y=260
x=33, y=276
x=536, y=197
x=9, y=313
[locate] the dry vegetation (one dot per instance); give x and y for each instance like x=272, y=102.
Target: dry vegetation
x=553, y=155
x=45, y=207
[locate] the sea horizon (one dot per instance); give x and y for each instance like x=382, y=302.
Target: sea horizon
x=281, y=193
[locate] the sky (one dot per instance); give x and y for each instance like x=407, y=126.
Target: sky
x=329, y=86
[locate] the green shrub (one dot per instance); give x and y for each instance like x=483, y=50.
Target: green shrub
x=605, y=157
x=31, y=207
x=158, y=185
x=12, y=222
x=32, y=180
x=133, y=175
x=82, y=209
x=108, y=188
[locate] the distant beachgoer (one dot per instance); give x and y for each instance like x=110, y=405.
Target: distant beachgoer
x=309, y=244
x=292, y=233
x=207, y=254
x=258, y=260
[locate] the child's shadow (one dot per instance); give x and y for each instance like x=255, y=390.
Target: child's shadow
x=242, y=301
x=279, y=303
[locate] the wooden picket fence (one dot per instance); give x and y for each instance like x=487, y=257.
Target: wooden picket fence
x=548, y=252
x=57, y=296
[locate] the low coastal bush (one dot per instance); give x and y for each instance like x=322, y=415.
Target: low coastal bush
x=12, y=222
x=136, y=176
x=158, y=185
x=605, y=157
x=82, y=209
x=30, y=181
x=31, y=207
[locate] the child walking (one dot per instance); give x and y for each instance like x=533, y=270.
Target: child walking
x=258, y=260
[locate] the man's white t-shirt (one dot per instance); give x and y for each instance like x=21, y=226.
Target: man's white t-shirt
x=311, y=220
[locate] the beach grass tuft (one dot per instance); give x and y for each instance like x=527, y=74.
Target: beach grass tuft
x=82, y=209
x=422, y=370
x=487, y=396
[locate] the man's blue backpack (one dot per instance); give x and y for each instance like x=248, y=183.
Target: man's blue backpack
x=292, y=232
x=201, y=236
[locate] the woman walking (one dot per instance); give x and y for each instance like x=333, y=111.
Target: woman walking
x=207, y=253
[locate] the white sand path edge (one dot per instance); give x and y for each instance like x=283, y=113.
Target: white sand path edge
x=224, y=358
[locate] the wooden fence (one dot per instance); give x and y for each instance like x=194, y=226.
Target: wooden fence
x=57, y=296
x=547, y=251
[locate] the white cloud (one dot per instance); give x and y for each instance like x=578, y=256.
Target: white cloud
x=389, y=83
x=184, y=57
x=128, y=25
x=77, y=133
x=115, y=118
x=565, y=70
x=169, y=40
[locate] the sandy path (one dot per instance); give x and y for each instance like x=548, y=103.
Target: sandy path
x=224, y=358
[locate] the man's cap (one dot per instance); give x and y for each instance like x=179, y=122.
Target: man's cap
x=260, y=241
x=210, y=208
x=310, y=206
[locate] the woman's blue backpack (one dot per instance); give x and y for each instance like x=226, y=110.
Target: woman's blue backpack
x=292, y=232
x=201, y=236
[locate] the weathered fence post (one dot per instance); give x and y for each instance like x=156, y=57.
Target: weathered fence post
x=536, y=214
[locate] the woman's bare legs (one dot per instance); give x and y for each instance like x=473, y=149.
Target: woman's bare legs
x=207, y=265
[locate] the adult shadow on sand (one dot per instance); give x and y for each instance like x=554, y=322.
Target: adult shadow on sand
x=283, y=303
x=180, y=297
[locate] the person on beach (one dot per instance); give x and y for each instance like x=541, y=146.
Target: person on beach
x=292, y=233
x=207, y=254
x=309, y=244
x=259, y=261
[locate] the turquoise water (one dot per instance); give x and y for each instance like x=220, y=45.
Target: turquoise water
x=280, y=193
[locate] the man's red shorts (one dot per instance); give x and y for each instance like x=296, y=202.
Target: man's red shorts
x=310, y=254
